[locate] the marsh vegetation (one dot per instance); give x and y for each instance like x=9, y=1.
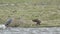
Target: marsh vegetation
x=48, y=11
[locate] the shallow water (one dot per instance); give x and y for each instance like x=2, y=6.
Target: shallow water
x=50, y=30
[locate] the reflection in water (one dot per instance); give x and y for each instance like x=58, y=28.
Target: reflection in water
x=52, y=30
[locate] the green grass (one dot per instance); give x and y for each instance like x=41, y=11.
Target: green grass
x=48, y=11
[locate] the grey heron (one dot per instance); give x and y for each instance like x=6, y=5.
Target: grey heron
x=3, y=26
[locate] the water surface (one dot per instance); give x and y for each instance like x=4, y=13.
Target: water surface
x=50, y=30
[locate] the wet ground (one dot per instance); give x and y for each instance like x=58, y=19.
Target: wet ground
x=50, y=30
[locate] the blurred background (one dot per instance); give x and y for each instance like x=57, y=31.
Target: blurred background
x=23, y=11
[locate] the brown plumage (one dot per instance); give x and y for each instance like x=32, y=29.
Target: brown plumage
x=37, y=21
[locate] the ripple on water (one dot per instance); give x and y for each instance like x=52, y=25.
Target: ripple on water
x=53, y=30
